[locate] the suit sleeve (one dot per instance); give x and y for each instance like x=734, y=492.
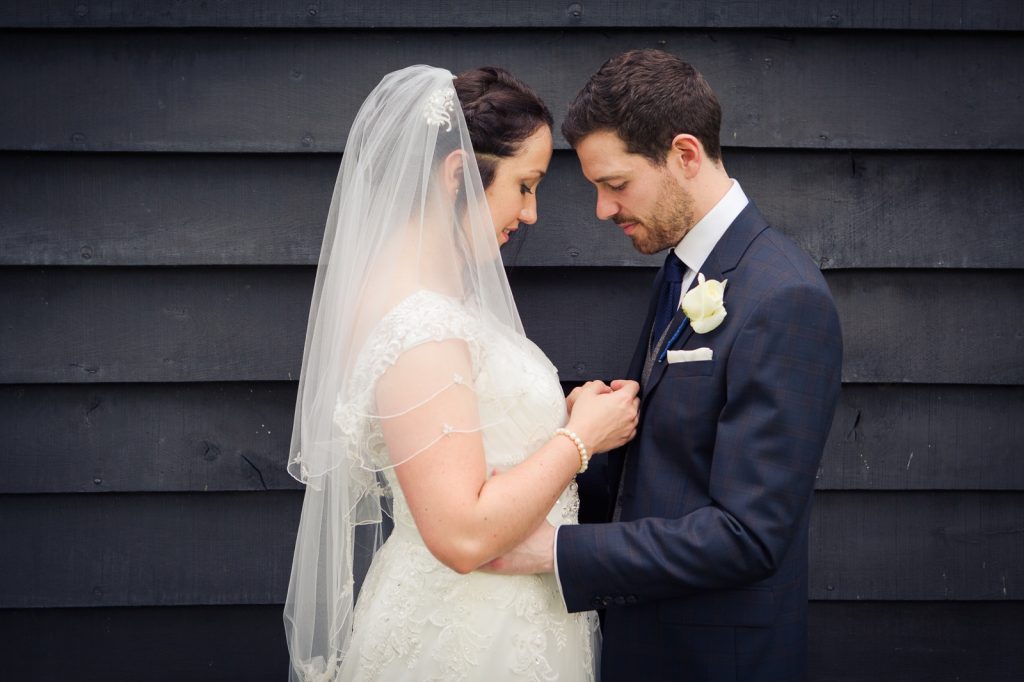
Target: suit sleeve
x=783, y=377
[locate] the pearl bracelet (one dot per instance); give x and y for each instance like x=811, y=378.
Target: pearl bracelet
x=578, y=442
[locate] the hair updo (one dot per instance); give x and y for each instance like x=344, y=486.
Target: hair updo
x=501, y=111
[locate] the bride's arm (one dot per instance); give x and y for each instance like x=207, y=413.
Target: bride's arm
x=465, y=518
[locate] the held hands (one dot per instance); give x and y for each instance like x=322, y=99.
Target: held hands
x=603, y=416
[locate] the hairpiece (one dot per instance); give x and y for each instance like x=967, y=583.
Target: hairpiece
x=440, y=104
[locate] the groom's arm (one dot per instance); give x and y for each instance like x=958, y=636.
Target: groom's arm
x=783, y=384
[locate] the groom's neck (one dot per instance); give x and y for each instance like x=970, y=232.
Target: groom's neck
x=708, y=188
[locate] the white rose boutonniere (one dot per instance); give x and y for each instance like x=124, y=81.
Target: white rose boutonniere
x=703, y=304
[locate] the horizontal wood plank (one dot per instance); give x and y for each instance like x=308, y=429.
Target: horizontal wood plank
x=1000, y=15
x=849, y=642
x=163, y=209
x=157, y=644
x=140, y=324
x=236, y=548
x=906, y=437
x=234, y=437
x=911, y=642
x=847, y=209
x=287, y=91
x=917, y=546
x=916, y=327
x=247, y=324
x=147, y=550
x=146, y=437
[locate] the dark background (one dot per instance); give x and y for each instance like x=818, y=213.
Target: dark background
x=165, y=171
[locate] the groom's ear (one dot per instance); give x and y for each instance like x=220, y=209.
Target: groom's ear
x=686, y=155
x=452, y=171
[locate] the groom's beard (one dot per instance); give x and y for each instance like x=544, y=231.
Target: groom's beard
x=669, y=222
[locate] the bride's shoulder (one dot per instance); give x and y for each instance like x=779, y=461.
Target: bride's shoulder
x=421, y=317
x=424, y=316
x=427, y=310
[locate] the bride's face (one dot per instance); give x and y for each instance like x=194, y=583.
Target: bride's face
x=512, y=195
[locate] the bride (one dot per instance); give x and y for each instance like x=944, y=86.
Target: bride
x=422, y=401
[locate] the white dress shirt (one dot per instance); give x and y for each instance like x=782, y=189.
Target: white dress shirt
x=693, y=250
x=700, y=241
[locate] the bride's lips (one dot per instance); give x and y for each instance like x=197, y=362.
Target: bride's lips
x=506, y=233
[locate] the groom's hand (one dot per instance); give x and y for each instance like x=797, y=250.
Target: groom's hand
x=536, y=554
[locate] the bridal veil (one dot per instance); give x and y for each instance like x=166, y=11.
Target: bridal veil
x=408, y=215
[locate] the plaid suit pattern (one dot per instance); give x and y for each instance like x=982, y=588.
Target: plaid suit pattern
x=705, y=575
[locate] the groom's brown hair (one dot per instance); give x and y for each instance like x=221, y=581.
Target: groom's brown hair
x=647, y=97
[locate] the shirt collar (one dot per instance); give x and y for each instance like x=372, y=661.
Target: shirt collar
x=698, y=243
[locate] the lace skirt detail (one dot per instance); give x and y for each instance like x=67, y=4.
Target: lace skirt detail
x=416, y=619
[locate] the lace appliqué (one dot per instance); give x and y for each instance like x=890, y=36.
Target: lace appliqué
x=571, y=503
x=421, y=318
x=318, y=671
x=439, y=107
x=415, y=616
x=424, y=615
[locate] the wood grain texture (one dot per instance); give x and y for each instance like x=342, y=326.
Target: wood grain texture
x=910, y=642
x=163, y=209
x=925, y=437
x=928, y=327
x=898, y=14
x=849, y=642
x=146, y=437
x=168, y=644
x=147, y=550
x=236, y=548
x=846, y=209
x=917, y=546
x=286, y=91
x=104, y=438
x=150, y=324
x=247, y=324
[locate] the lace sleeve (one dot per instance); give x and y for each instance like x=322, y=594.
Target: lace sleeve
x=414, y=383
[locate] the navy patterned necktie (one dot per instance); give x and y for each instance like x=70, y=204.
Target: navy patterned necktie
x=668, y=299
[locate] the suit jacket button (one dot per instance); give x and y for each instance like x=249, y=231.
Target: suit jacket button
x=605, y=601
x=620, y=600
x=596, y=601
x=631, y=599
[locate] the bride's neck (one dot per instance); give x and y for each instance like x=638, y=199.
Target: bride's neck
x=429, y=260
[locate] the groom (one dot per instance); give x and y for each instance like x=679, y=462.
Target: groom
x=701, y=567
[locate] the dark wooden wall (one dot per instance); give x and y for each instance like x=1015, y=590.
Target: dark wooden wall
x=165, y=170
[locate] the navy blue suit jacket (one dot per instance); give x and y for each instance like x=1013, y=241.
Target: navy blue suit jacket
x=704, y=573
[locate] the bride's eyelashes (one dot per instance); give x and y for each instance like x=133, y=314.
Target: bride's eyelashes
x=525, y=189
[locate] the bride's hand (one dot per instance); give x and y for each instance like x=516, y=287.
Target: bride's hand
x=596, y=384
x=604, y=417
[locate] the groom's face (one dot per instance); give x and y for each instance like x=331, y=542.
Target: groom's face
x=642, y=198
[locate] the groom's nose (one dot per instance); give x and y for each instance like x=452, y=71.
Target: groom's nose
x=606, y=207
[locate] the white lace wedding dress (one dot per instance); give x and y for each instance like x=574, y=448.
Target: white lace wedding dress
x=416, y=619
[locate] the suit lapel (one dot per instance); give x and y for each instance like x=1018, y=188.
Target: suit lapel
x=722, y=260
x=658, y=368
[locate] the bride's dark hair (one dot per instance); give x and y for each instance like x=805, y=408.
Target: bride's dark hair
x=501, y=112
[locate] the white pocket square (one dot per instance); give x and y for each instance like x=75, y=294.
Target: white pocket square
x=694, y=355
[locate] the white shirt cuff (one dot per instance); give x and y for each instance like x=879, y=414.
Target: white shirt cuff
x=558, y=581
